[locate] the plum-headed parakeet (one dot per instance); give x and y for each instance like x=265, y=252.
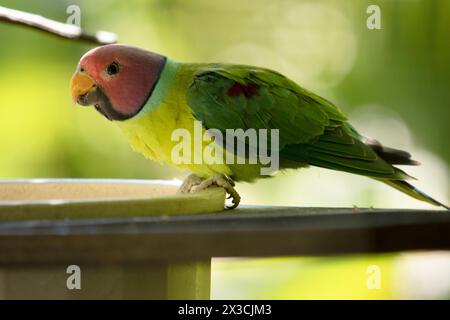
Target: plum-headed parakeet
x=151, y=96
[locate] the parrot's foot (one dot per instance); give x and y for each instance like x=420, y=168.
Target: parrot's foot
x=224, y=182
x=191, y=181
x=194, y=183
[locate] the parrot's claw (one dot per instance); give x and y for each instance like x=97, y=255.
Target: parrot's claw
x=194, y=183
x=224, y=182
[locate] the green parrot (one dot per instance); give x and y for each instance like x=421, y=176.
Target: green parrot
x=151, y=96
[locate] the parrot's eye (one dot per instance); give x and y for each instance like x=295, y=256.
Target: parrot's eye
x=112, y=69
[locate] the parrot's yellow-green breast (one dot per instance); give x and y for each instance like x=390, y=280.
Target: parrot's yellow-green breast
x=150, y=131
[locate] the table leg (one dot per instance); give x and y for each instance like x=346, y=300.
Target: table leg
x=163, y=280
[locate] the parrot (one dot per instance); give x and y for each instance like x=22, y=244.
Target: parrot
x=149, y=96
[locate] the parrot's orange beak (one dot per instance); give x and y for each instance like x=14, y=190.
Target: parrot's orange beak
x=80, y=85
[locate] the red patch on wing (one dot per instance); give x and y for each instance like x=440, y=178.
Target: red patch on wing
x=248, y=90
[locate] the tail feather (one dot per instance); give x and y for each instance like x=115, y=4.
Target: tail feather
x=412, y=191
x=391, y=155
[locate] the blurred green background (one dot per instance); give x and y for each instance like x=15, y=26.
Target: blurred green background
x=394, y=84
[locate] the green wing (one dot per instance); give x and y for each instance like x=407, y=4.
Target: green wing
x=312, y=130
x=234, y=96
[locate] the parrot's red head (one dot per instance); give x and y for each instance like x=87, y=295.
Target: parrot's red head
x=116, y=79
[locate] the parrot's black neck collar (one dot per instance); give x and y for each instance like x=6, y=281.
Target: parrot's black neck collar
x=149, y=95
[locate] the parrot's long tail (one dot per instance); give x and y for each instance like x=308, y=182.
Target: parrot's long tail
x=412, y=191
x=394, y=156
